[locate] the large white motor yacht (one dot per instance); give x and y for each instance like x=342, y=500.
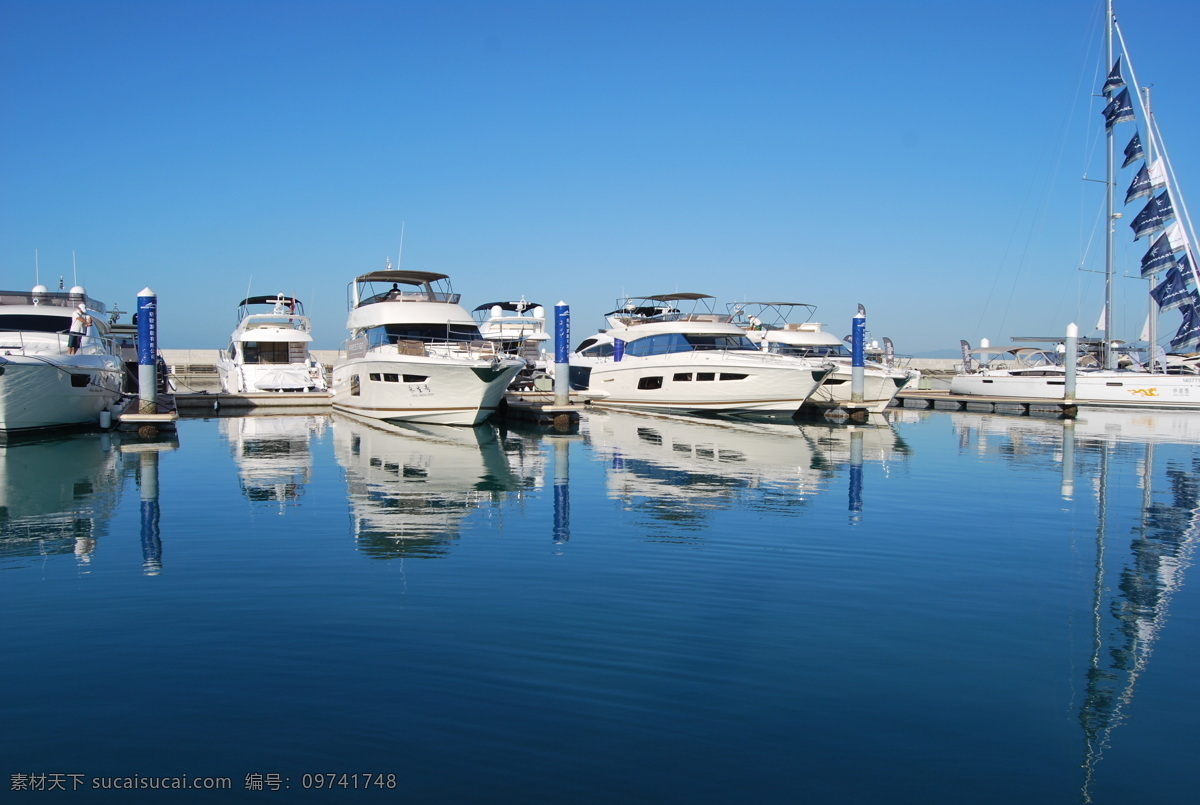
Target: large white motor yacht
x=50, y=377
x=269, y=349
x=415, y=353
x=656, y=357
x=775, y=327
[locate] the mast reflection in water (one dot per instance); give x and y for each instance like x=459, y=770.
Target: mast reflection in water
x=1142, y=545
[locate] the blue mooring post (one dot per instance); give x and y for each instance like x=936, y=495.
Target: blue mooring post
x=856, y=476
x=858, y=340
x=151, y=541
x=562, y=354
x=147, y=346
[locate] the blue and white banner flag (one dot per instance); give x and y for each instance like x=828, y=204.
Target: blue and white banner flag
x=1187, y=337
x=1133, y=151
x=1159, y=258
x=1150, y=177
x=1171, y=292
x=1154, y=216
x=1186, y=271
x=1114, y=80
x=1119, y=110
x=1140, y=186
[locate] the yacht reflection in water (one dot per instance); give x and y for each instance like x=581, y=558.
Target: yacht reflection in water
x=677, y=469
x=57, y=495
x=272, y=454
x=411, y=486
x=1143, y=470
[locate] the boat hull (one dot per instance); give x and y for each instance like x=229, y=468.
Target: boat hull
x=718, y=382
x=405, y=388
x=39, y=393
x=1107, y=388
x=880, y=388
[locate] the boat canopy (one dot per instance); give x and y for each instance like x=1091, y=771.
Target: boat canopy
x=433, y=287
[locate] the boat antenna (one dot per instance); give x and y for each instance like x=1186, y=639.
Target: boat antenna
x=400, y=251
x=74, y=271
x=247, y=296
x=37, y=273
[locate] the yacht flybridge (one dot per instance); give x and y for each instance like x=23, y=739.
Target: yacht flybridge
x=415, y=354
x=673, y=353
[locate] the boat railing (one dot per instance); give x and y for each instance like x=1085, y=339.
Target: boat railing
x=51, y=299
x=476, y=349
x=40, y=343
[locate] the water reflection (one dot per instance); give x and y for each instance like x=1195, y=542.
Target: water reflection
x=410, y=487
x=678, y=470
x=57, y=495
x=1142, y=479
x=272, y=454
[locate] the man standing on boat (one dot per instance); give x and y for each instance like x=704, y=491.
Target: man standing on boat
x=80, y=322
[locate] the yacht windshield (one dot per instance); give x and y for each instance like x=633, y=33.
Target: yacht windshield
x=811, y=350
x=687, y=342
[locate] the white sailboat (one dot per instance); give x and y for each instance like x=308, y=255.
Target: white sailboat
x=1105, y=376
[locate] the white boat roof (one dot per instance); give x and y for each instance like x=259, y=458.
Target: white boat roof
x=402, y=277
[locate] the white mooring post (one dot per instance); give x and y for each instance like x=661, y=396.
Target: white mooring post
x=1070, y=360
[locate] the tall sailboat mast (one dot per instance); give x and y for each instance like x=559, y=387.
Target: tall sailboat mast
x=1109, y=220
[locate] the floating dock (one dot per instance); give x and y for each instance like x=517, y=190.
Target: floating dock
x=936, y=398
x=204, y=402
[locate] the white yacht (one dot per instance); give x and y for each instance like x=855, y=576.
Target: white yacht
x=775, y=327
x=415, y=354
x=1037, y=373
x=50, y=377
x=269, y=349
x=518, y=328
x=656, y=357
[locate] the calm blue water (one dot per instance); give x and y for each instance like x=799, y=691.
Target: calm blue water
x=947, y=608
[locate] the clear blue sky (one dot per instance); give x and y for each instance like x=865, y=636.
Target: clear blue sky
x=920, y=158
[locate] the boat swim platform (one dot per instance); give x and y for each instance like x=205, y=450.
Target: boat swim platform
x=944, y=400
